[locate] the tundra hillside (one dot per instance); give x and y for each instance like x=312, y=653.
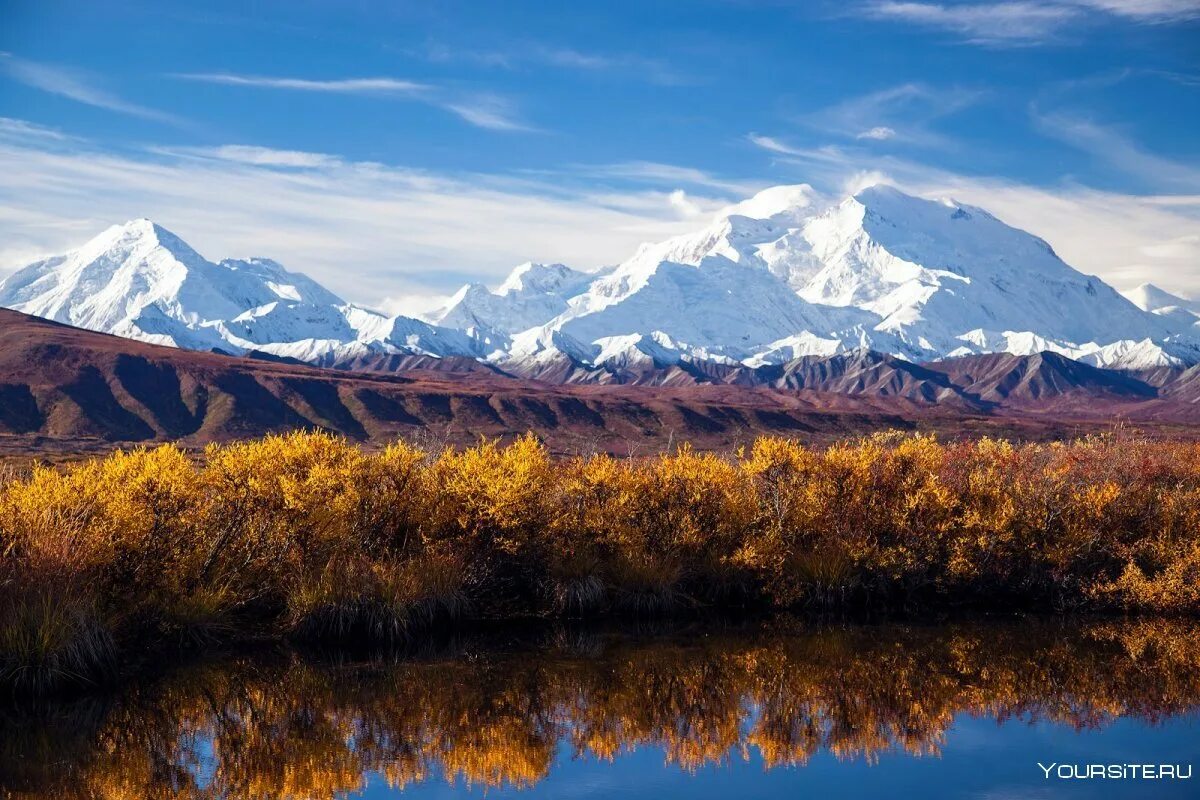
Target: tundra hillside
x=308, y=537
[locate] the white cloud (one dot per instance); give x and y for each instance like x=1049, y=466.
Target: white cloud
x=368, y=231
x=74, y=86
x=488, y=111
x=772, y=144
x=259, y=156
x=904, y=113
x=992, y=23
x=1181, y=247
x=1028, y=21
x=523, y=54
x=657, y=173
x=481, y=110
x=1111, y=147
x=687, y=207
x=346, y=86
x=862, y=179
x=1148, y=10
x=828, y=154
x=19, y=128
x=879, y=133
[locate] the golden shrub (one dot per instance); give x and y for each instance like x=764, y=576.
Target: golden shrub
x=307, y=532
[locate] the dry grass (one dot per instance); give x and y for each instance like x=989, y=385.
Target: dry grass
x=306, y=535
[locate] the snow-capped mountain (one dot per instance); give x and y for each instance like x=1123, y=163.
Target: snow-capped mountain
x=141, y=281
x=1149, y=297
x=783, y=275
x=880, y=270
x=532, y=294
x=1181, y=312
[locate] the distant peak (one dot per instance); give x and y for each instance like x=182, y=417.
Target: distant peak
x=1149, y=297
x=140, y=233
x=534, y=277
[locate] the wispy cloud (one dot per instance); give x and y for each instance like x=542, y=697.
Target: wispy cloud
x=481, y=110
x=905, y=113
x=1163, y=11
x=257, y=156
x=345, y=86
x=983, y=23
x=880, y=133
x=488, y=111
x=825, y=154
x=659, y=174
x=21, y=129
x=523, y=54
x=1113, y=148
x=367, y=230
x=76, y=86
x=1025, y=22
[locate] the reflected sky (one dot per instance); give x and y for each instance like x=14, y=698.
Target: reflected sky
x=762, y=710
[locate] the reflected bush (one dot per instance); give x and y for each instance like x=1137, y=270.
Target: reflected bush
x=780, y=692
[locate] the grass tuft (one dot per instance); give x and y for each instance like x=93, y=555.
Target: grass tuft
x=50, y=644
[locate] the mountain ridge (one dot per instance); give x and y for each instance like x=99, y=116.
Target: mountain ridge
x=67, y=389
x=783, y=275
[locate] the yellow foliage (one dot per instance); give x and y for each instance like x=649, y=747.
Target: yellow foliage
x=307, y=533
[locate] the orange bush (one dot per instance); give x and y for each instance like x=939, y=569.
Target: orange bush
x=307, y=534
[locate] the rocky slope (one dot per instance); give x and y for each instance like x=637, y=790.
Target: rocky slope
x=67, y=389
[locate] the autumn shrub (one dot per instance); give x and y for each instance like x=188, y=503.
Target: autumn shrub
x=308, y=535
x=87, y=548
x=490, y=507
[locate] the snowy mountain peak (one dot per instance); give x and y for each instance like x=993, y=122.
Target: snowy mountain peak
x=286, y=285
x=795, y=200
x=530, y=295
x=140, y=232
x=141, y=281
x=530, y=278
x=1149, y=297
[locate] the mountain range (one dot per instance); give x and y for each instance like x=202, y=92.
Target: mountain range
x=771, y=284
x=67, y=390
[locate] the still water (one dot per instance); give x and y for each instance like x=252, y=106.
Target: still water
x=777, y=709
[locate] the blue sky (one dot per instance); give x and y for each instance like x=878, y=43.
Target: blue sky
x=398, y=149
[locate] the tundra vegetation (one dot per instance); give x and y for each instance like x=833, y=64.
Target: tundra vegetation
x=308, y=537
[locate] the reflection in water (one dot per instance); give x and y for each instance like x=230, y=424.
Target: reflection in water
x=286, y=728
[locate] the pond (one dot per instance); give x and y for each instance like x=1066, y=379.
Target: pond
x=780, y=708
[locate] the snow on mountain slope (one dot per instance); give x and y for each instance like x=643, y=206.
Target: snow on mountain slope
x=531, y=295
x=1183, y=313
x=1149, y=297
x=916, y=278
x=783, y=275
x=716, y=308
x=943, y=275
x=141, y=281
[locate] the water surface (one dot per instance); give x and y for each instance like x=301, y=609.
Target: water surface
x=778, y=709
